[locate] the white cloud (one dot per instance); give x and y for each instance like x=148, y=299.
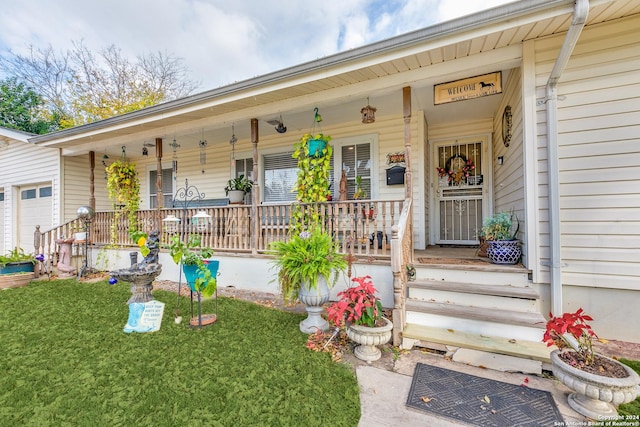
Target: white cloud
x=222, y=42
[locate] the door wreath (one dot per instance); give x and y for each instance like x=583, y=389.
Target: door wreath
x=456, y=168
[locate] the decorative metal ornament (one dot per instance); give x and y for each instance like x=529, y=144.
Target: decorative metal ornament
x=368, y=113
x=506, y=125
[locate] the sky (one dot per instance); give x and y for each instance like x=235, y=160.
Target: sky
x=222, y=41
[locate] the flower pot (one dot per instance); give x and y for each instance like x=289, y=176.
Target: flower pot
x=17, y=267
x=369, y=338
x=191, y=272
x=313, y=299
x=504, y=251
x=595, y=396
x=236, y=196
x=316, y=146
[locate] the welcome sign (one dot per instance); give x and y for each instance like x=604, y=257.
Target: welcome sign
x=472, y=87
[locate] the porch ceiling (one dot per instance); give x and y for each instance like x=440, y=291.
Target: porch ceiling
x=340, y=85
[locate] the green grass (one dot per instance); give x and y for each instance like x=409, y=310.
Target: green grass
x=65, y=361
x=631, y=408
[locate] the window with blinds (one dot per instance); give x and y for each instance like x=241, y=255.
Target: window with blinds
x=167, y=188
x=280, y=174
x=356, y=161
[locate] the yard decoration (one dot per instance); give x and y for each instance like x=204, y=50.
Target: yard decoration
x=16, y=268
x=361, y=309
x=199, y=271
x=599, y=383
x=123, y=187
x=308, y=265
x=503, y=246
x=145, y=314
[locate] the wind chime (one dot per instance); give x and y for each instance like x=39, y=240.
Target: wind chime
x=174, y=160
x=203, y=154
x=233, y=141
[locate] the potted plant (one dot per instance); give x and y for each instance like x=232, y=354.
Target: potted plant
x=16, y=268
x=237, y=188
x=123, y=187
x=361, y=309
x=599, y=383
x=498, y=233
x=199, y=271
x=308, y=265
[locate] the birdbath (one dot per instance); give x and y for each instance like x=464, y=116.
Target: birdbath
x=145, y=314
x=65, y=269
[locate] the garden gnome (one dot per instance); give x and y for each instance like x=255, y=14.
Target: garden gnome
x=343, y=187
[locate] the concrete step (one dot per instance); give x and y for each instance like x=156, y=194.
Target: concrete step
x=444, y=339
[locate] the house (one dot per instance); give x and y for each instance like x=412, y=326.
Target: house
x=541, y=97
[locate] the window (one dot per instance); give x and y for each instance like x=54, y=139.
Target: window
x=1, y=197
x=167, y=187
x=356, y=161
x=244, y=167
x=28, y=194
x=280, y=174
x=45, y=192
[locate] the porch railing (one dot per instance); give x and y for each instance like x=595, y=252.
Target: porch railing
x=363, y=226
x=401, y=257
x=47, y=243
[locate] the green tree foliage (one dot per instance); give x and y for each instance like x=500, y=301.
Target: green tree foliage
x=21, y=108
x=79, y=86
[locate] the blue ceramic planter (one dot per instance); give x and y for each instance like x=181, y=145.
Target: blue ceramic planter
x=17, y=267
x=191, y=272
x=316, y=146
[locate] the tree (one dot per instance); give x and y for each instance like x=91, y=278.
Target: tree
x=79, y=86
x=21, y=108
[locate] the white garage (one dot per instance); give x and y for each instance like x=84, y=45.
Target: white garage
x=34, y=208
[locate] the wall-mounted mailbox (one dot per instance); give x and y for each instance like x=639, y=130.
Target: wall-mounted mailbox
x=395, y=175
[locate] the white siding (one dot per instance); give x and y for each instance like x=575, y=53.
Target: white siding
x=599, y=156
x=23, y=164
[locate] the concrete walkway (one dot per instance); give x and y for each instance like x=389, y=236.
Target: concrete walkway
x=384, y=392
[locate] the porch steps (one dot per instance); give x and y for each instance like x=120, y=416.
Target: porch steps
x=495, y=310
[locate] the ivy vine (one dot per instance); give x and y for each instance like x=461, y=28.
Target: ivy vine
x=312, y=184
x=123, y=187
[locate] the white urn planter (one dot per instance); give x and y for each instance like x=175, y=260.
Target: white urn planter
x=313, y=299
x=595, y=396
x=369, y=338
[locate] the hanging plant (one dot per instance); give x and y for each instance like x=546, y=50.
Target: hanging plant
x=123, y=188
x=314, y=171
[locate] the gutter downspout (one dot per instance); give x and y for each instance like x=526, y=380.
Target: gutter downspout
x=580, y=12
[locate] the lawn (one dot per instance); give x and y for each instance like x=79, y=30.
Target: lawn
x=66, y=362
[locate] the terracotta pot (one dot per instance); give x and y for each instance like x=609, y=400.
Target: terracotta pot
x=595, y=396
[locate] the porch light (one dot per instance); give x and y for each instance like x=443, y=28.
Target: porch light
x=171, y=223
x=368, y=113
x=201, y=220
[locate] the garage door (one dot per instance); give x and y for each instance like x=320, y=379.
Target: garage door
x=2, y=248
x=34, y=208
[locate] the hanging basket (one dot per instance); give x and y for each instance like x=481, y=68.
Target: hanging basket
x=316, y=147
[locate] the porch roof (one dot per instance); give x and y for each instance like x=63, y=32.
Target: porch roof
x=338, y=82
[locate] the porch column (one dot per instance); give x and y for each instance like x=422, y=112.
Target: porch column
x=408, y=176
x=406, y=111
x=92, y=185
x=255, y=192
x=159, y=195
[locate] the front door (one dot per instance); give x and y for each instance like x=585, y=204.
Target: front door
x=461, y=196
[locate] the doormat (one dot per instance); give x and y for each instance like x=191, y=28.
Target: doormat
x=480, y=401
